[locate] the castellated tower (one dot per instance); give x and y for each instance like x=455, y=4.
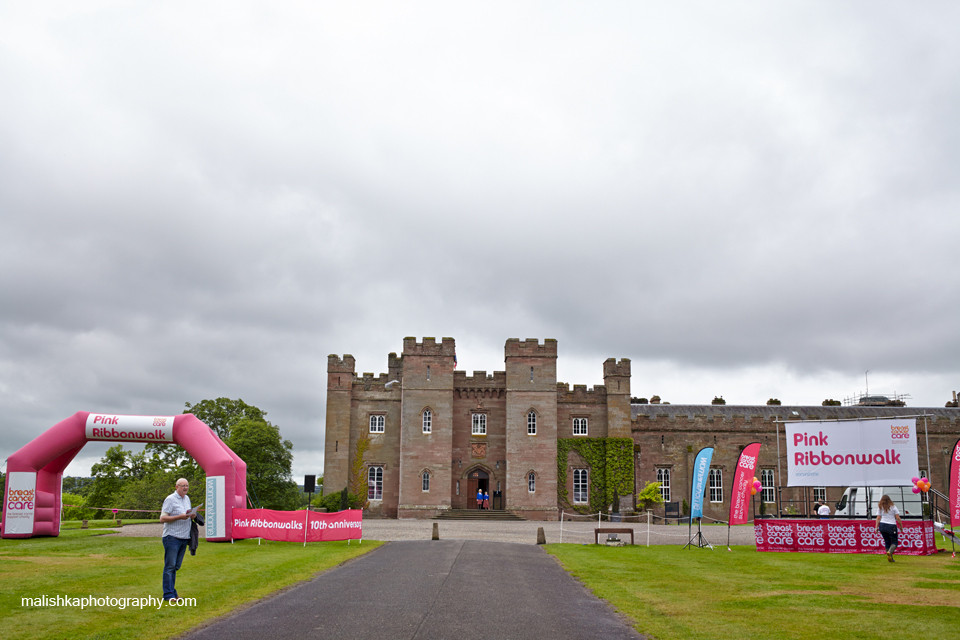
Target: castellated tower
x=426, y=426
x=340, y=375
x=616, y=378
x=531, y=429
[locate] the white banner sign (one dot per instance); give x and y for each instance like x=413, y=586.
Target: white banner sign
x=870, y=453
x=103, y=426
x=215, y=515
x=19, y=503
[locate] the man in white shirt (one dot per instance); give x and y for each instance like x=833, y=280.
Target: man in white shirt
x=823, y=511
x=176, y=535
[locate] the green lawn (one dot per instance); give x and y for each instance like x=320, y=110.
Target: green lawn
x=222, y=577
x=66, y=525
x=671, y=592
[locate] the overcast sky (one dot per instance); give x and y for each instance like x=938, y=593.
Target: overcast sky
x=197, y=200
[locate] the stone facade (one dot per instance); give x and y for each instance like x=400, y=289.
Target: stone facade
x=437, y=434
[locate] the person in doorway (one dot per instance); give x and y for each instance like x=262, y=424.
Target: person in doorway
x=175, y=516
x=823, y=511
x=888, y=524
x=479, y=498
x=486, y=500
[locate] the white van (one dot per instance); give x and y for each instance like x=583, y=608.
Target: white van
x=861, y=502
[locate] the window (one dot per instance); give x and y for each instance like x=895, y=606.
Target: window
x=663, y=477
x=427, y=421
x=580, y=486
x=716, y=485
x=532, y=423
x=769, y=493
x=426, y=481
x=376, y=423
x=819, y=494
x=579, y=426
x=479, y=424
x=428, y=372
x=531, y=374
x=375, y=483
x=531, y=482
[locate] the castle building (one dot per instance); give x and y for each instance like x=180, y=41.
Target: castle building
x=429, y=437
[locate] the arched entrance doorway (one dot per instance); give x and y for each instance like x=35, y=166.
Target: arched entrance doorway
x=31, y=499
x=477, y=480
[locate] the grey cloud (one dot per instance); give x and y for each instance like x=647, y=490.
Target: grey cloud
x=206, y=207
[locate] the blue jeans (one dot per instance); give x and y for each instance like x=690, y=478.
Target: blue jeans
x=173, y=549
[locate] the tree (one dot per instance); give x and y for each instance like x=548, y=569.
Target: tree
x=148, y=492
x=219, y=415
x=649, y=496
x=115, y=468
x=268, y=457
x=73, y=508
x=77, y=485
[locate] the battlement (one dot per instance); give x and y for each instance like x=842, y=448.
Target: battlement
x=581, y=393
x=429, y=347
x=531, y=347
x=613, y=367
x=480, y=380
x=335, y=364
x=375, y=382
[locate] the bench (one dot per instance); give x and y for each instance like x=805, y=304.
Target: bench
x=599, y=530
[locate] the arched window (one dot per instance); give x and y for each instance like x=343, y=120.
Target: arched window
x=531, y=482
x=716, y=484
x=377, y=422
x=427, y=421
x=663, y=477
x=579, y=426
x=426, y=481
x=532, y=423
x=375, y=483
x=580, y=495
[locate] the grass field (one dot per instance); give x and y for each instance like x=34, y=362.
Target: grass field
x=101, y=524
x=221, y=577
x=670, y=592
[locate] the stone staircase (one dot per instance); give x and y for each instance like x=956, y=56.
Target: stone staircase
x=483, y=515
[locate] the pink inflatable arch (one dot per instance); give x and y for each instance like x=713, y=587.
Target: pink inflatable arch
x=31, y=499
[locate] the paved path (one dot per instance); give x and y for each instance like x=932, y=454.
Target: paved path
x=461, y=589
x=522, y=532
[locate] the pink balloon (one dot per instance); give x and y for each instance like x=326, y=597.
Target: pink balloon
x=757, y=485
x=916, y=489
x=914, y=479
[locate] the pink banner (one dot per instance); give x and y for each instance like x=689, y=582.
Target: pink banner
x=954, y=492
x=841, y=536
x=297, y=526
x=742, y=478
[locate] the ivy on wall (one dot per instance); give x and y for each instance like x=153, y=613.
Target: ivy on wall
x=611, y=470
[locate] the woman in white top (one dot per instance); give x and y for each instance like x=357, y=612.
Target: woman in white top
x=888, y=523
